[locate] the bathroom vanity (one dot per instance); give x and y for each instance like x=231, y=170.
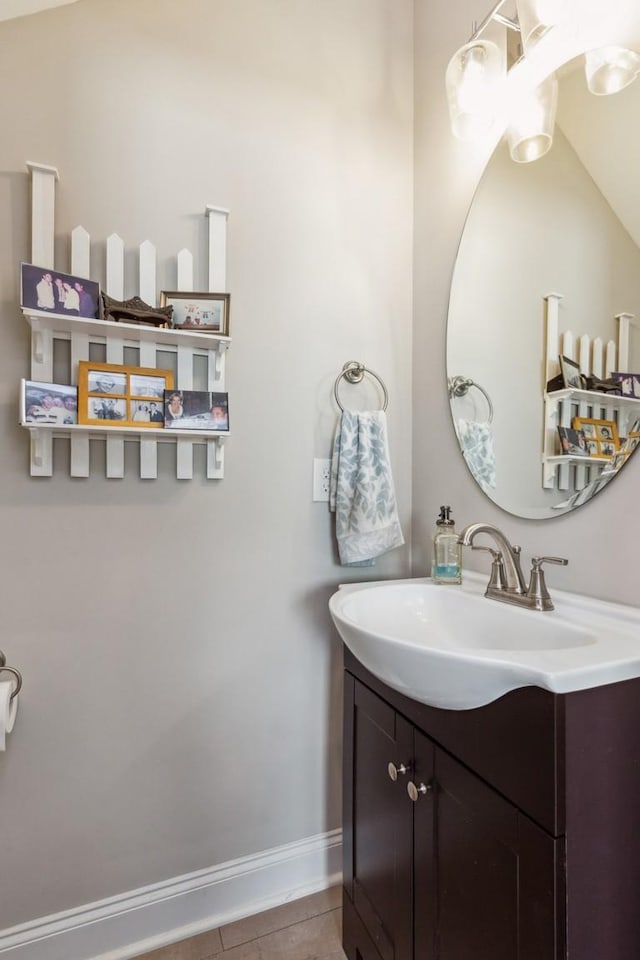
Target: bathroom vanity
x=506, y=832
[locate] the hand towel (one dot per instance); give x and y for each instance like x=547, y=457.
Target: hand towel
x=476, y=441
x=361, y=491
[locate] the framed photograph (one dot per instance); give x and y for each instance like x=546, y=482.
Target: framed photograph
x=634, y=429
x=118, y=395
x=196, y=410
x=53, y=403
x=601, y=436
x=55, y=292
x=201, y=312
x=629, y=384
x=572, y=442
x=571, y=374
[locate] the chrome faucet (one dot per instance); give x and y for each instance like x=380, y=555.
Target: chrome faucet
x=507, y=581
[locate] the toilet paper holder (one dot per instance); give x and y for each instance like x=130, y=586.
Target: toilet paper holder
x=16, y=673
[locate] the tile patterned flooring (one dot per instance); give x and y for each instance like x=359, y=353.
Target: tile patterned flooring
x=305, y=929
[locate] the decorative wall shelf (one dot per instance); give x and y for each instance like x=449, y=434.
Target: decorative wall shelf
x=115, y=337
x=563, y=472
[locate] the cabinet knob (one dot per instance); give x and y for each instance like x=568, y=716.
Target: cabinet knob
x=416, y=792
x=393, y=771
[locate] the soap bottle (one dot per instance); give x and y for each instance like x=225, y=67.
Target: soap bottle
x=446, y=565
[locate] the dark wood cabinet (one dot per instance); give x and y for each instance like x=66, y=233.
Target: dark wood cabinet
x=500, y=855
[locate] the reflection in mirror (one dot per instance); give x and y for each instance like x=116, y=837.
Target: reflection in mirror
x=549, y=265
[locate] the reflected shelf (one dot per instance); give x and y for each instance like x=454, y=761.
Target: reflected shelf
x=592, y=397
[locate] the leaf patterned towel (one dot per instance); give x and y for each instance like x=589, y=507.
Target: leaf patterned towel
x=476, y=440
x=361, y=489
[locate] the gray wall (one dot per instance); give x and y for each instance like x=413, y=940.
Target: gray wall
x=182, y=681
x=598, y=539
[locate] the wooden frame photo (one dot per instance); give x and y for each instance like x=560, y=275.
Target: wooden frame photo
x=196, y=410
x=48, y=403
x=601, y=436
x=571, y=375
x=60, y=293
x=112, y=394
x=198, y=312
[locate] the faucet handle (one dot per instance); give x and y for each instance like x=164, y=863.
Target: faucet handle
x=497, y=580
x=494, y=553
x=537, y=593
x=538, y=561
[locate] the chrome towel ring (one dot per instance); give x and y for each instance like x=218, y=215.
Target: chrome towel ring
x=354, y=372
x=12, y=670
x=460, y=386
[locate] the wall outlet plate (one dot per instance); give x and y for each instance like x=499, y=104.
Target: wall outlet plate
x=321, y=475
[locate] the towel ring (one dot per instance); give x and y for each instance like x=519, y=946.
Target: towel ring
x=16, y=674
x=354, y=372
x=18, y=678
x=460, y=386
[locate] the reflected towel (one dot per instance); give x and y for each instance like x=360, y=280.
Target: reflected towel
x=361, y=489
x=476, y=441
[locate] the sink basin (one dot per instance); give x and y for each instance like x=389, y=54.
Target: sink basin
x=451, y=647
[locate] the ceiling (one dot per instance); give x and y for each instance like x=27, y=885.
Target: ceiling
x=21, y=8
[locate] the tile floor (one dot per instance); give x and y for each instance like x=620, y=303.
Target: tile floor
x=305, y=929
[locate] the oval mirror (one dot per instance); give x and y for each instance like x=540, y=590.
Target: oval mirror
x=549, y=267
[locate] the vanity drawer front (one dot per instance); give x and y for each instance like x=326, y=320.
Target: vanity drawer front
x=516, y=743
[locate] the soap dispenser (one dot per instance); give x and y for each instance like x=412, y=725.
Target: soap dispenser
x=446, y=566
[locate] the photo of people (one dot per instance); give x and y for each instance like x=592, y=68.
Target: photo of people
x=204, y=312
x=55, y=292
x=196, y=410
x=629, y=384
x=592, y=448
x=147, y=411
x=572, y=442
x=104, y=381
x=107, y=408
x=52, y=403
x=147, y=386
x=605, y=432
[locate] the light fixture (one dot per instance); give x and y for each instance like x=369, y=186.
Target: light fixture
x=530, y=133
x=611, y=69
x=471, y=80
x=479, y=89
x=537, y=17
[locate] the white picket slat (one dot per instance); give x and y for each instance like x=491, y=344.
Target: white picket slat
x=218, y=218
x=43, y=213
x=115, y=266
x=552, y=334
x=185, y=270
x=43, y=207
x=80, y=267
x=80, y=252
x=610, y=362
x=148, y=459
x=598, y=358
x=115, y=345
x=624, y=322
x=148, y=272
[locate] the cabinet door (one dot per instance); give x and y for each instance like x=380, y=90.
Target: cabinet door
x=378, y=821
x=494, y=875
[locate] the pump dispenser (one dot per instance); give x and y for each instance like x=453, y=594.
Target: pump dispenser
x=446, y=566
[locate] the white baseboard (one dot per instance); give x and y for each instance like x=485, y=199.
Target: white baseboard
x=142, y=920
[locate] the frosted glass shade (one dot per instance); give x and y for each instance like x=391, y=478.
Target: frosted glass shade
x=530, y=133
x=610, y=69
x=472, y=79
x=537, y=16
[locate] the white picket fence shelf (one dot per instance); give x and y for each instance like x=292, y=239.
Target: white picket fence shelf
x=594, y=358
x=115, y=337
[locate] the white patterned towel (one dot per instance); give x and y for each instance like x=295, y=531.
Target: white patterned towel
x=476, y=440
x=361, y=490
